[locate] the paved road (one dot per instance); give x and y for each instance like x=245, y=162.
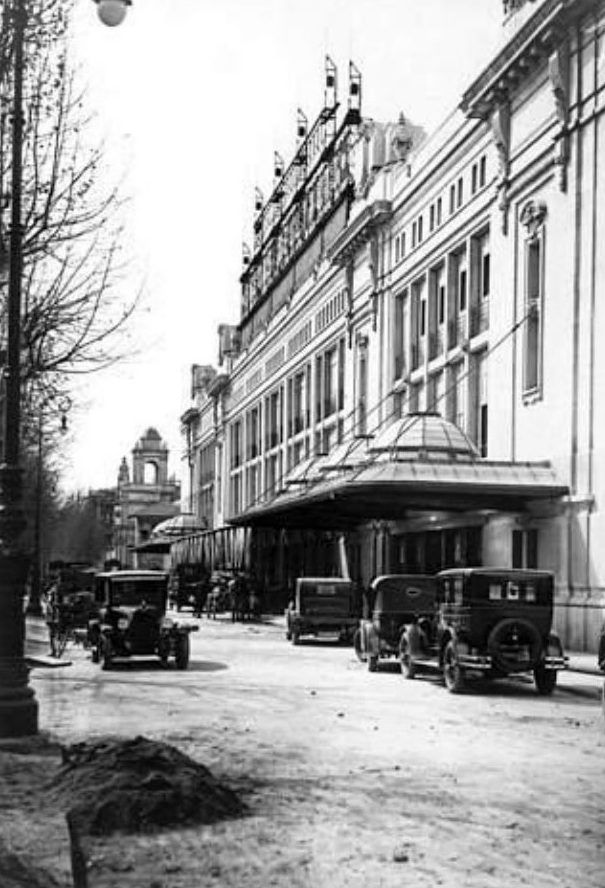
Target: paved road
x=497, y=786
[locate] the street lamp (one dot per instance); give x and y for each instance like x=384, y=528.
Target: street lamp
x=18, y=706
x=112, y=12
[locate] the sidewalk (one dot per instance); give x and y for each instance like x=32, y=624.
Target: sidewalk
x=37, y=650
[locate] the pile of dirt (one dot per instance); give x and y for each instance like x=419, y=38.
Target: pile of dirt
x=137, y=785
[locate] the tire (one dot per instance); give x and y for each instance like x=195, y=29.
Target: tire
x=545, y=679
x=359, y=653
x=453, y=674
x=181, y=656
x=498, y=634
x=408, y=669
x=372, y=663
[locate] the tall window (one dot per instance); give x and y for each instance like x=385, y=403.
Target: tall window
x=362, y=386
x=399, y=335
x=533, y=308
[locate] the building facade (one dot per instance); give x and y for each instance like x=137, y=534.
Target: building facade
x=144, y=499
x=414, y=381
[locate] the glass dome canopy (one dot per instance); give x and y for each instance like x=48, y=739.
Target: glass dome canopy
x=424, y=436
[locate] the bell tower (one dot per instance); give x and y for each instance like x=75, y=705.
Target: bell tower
x=150, y=459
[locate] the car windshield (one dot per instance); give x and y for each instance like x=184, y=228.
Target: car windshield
x=126, y=593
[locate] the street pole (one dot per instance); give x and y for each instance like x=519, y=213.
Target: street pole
x=18, y=706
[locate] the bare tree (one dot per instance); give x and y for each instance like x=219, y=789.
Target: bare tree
x=74, y=305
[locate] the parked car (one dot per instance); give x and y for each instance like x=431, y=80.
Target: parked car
x=491, y=622
x=323, y=606
x=394, y=601
x=132, y=619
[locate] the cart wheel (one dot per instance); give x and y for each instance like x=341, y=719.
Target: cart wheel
x=181, y=656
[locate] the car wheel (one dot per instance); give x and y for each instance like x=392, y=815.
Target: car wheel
x=453, y=674
x=181, y=656
x=545, y=679
x=372, y=662
x=357, y=645
x=408, y=670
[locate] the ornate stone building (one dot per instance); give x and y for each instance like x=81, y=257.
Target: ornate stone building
x=414, y=381
x=144, y=499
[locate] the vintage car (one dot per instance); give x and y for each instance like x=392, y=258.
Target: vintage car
x=322, y=606
x=132, y=620
x=490, y=622
x=393, y=602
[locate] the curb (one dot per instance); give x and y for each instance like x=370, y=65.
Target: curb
x=45, y=662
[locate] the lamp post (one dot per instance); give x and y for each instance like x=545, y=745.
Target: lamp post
x=18, y=706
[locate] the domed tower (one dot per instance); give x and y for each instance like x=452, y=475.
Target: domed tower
x=150, y=459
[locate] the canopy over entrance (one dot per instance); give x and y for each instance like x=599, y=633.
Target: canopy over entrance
x=421, y=462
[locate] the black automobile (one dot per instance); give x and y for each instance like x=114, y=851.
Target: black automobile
x=132, y=620
x=393, y=602
x=493, y=622
x=323, y=606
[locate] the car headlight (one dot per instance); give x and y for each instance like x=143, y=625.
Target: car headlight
x=123, y=623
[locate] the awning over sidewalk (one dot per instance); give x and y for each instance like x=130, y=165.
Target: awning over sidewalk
x=423, y=463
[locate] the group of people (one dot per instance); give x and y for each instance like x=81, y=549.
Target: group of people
x=214, y=594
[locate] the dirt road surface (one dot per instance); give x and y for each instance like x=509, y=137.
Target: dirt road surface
x=350, y=778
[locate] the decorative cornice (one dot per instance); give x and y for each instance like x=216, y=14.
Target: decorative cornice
x=359, y=231
x=534, y=41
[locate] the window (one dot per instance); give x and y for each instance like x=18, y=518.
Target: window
x=460, y=192
x=533, y=307
x=439, y=208
x=474, y=178
x=479, y=385
x=533, y=322
x=420, y=235
x=452, y=198
x=362, y=387
x=482, y=171
x=413, y=234
x=462, y=290
x=236, y=445
x=525, y=548
x=399, y=335
x=432, y=217
x=457, y=393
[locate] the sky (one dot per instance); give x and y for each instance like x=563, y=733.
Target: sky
x=192, y=98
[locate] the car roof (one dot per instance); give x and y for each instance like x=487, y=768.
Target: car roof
x=322, y=580
x=495, y=572
x=132, y=574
